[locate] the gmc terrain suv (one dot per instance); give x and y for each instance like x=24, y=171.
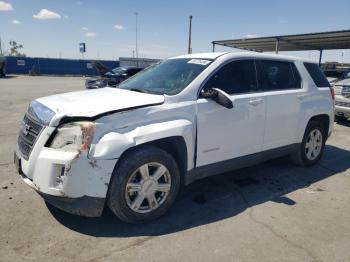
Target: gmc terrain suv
x=184, y=119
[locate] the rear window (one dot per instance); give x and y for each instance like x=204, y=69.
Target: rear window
x=317, y=75
x=278, y=75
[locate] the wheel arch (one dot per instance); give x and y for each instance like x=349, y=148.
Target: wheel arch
x=175, y=146
x=324, y=119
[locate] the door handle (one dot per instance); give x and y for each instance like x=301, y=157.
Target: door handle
x=301, y=96
x=256, y=101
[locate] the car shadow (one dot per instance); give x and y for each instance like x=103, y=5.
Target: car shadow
x=344, y=123
x=218, y=197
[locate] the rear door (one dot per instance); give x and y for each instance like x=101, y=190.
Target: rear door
x=223, y=133
x=281, y=84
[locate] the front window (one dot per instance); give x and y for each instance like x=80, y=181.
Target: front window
x=236, y=77
x=169, y=77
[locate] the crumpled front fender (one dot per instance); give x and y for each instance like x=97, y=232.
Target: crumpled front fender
x=113, y=144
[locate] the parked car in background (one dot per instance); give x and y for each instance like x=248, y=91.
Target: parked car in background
x=345, y=75
x=112, y=78
x=178, y=121
x=332, y=75
x=336, y=75
x=342, y=99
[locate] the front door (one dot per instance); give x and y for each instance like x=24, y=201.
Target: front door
x=222, y=133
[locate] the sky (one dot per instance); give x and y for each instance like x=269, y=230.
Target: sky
x=48, y=28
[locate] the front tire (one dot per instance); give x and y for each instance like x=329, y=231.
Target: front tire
x=144, y=185
x=310, y=151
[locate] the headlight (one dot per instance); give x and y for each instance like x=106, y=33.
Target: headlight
x=74, y=136
x=41, y=112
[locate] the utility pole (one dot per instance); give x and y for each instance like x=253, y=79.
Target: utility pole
x=190, y=36
x=137, y=48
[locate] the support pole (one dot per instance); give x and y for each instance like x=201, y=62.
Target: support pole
x=136, y=39
x=277, y=45
x=320, y=59
x=190, y=36
x=213, y=47
x=0, y=46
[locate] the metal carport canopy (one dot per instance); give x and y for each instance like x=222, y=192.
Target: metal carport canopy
x=301, y=42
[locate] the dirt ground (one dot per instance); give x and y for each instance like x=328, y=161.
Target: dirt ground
x=271, y=212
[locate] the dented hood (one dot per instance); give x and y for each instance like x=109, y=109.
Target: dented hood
x=91, y=103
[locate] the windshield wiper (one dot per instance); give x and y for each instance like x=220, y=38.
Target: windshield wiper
x=138, y=90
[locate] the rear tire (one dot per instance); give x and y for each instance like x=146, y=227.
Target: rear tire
x=144, y=185
x=310, y=151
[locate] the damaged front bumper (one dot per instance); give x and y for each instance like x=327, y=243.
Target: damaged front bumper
x=82, y=206
x=69, y=180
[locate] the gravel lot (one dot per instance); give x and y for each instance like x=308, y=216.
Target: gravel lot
x=272, y=212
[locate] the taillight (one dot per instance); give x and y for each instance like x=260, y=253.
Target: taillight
x=332, y=92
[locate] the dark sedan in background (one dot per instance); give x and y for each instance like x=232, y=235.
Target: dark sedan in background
x=111, y=78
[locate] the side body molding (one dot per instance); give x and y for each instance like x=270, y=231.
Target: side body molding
x=114, y=143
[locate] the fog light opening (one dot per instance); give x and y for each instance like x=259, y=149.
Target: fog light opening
x=60, y=175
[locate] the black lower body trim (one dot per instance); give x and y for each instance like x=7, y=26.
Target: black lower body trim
x=237, y=163
x=83, y=206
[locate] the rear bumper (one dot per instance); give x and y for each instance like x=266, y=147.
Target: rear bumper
x=342, y=106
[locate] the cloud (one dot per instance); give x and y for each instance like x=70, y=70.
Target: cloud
x=90, y=34
x=118, y=27
x=251, y=36
x=46, y=14
x=16, y=22
x=84, y=28
x=5, y=6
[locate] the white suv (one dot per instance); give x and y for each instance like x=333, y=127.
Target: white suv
x=183, y=119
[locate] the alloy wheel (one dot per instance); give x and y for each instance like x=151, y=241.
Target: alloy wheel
x=148, y=187
x=313, y=145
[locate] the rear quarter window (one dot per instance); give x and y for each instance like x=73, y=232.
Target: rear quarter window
x=317, y=75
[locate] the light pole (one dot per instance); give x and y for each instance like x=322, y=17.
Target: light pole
x=189, y=36
x=136, y=32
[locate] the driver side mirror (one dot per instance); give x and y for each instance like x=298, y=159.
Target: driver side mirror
x=218, y=96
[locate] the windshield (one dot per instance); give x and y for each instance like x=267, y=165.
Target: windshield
x=119, y=70
x=168, y=77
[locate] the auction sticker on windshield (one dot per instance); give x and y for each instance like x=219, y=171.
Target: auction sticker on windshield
x=199, y=62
